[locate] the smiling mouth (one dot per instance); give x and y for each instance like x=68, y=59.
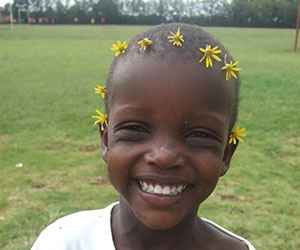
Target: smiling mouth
x=163, y=189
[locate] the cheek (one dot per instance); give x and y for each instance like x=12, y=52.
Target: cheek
x=120, y=162
x=208, y=170
x=118, y=174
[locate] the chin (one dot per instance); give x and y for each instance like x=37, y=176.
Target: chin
x=160, y=221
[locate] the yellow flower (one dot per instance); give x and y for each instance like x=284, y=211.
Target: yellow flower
x=119, y=47
x=236, y=135
x=176, y=38
x=144, y=43
x=210, y=53
x=101, y=118
x=230, y=68
x=100, y=90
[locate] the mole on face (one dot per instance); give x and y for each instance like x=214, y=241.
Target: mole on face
x=170, y=145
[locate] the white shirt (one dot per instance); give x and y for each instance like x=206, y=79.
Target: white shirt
x=90, y=230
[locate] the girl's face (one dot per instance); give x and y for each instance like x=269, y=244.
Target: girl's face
x=166, y=143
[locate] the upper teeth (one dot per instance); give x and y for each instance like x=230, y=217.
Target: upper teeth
x=162, y=190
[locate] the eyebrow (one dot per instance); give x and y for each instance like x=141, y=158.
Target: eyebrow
x=212, y=117
x=131, y=109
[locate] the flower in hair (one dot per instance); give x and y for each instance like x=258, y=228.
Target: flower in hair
x=119, y=47
x=209, y=53
x=144, y=43
x=100, y=90
x=236, y=134
x=230, y=68
x=176, y=38
x=101, y=118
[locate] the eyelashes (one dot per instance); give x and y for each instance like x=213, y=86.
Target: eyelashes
x=199, y=134
x=136, y=131
x=131, y=132
x=135, y=128
x=202, y=134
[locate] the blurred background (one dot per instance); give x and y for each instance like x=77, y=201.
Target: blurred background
x=237, y=13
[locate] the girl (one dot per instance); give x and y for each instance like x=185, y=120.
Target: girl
x=171, y=102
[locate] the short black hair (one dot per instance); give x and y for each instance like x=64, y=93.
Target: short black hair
x=194, y=38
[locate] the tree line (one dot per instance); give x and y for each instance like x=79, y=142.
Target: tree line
x=239, y=13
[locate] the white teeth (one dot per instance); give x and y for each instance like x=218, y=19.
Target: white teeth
x=166, y=190
x=179, y=188
x=157, y=189
x=162, y=190
x=150, y=188
x=173, y=190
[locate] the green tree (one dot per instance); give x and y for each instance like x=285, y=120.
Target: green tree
x=107, y=9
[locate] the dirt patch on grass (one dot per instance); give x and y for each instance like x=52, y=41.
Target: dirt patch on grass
x=4, y=139
x=99, y=180
x=39, y=185
x=230, y=197
x=89, y=148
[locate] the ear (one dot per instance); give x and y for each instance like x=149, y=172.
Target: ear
x=229, y=151
x=104, y=142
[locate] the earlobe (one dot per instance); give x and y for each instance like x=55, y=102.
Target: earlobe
x=104, y=143
x=229, y=151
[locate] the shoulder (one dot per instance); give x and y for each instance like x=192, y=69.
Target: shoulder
x=228, y=239
x=76, y=230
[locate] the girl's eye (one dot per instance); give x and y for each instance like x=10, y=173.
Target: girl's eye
x=135, y=128
x=131, y=132
x=199, y=134
x=202, y=138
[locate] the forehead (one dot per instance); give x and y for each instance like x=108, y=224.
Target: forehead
x=173, y=84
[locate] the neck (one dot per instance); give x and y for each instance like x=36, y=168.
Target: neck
x=130, y=233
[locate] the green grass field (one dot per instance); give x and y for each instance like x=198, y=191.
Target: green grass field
x=47, y=76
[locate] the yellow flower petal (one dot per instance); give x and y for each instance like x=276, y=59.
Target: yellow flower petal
x=176, y=39
x=227, y=76
x=230, y=68
x=144, y=43
x=240, y=139
x=119, y=47
x=208, y=60
x=235, y=63
x=233, y=74
x=216, y=57
x=236, y=69
x=236, y=135
x=100, y=90
x=102, y=119
x=234, y=140
x=202, y=59
x=210, y=53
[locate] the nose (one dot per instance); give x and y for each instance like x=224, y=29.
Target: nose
x=164, y=156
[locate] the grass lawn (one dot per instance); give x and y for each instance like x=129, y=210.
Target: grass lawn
x=47, y=76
